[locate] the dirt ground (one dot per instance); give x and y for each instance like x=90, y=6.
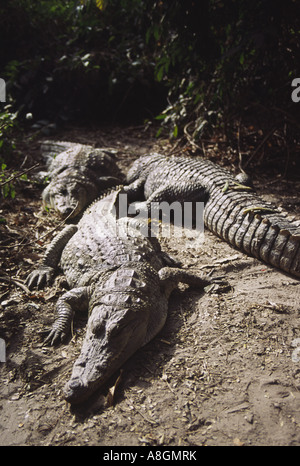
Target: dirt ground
x=225, y=370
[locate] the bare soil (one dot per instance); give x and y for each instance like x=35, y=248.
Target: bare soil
x=225, y=370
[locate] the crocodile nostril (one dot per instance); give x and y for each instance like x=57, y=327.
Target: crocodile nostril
x=81, y=363
x=67, y=211
x=73, y=390
x=75, y=384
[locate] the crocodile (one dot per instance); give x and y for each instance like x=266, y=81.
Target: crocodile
x=122, y=278
x=78, y=174
x=232, y=210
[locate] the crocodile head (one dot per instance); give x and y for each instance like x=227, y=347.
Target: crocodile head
x=113, y=335
x=68, y=196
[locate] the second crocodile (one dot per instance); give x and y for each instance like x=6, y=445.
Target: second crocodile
x=232, y=211
x=78, y=174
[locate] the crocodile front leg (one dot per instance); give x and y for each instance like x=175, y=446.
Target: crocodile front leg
x=171, y=276
x=44, y=274
x=169, y=279
x=74, y=300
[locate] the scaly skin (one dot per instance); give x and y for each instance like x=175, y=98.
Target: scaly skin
x=121, y=278
x=78, y=175
x=232, y=211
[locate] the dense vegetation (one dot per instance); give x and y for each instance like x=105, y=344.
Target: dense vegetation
x=192, y=66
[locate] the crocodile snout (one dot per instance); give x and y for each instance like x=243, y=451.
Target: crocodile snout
x=74, y=391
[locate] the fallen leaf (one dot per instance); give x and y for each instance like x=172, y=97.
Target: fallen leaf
x=237, y=442
x=112, y=390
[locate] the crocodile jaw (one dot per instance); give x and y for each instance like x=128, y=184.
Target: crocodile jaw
x=103, y=354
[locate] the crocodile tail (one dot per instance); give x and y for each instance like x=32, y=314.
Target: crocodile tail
x=276, y=241
x=52, y=148
x=256, y=228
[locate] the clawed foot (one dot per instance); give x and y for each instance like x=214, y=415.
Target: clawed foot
x=55, y=337
x=40, y=277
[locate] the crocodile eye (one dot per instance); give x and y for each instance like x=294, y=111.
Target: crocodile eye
x=81, y=363
x=98, y=328
x=114, y=331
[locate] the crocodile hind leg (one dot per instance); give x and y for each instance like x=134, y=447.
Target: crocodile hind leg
x=74, y=300
x=171, y=276
x=169, y=279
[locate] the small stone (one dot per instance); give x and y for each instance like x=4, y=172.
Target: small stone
x=249, y=418
x=9, y=302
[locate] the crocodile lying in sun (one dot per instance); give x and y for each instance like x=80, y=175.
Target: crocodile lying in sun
x=78, y=175
x=232, y=211
x=124, y=281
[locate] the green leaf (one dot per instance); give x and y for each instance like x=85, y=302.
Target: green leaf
x=158, y=132
x=162, y=116
x=160, y=74
x=5, y=190
x=156, y=32
x=101, y=4
x=148, y=34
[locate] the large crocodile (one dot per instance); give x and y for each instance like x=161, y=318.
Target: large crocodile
x=124, y=281
x=78, y=174
x=232, y=211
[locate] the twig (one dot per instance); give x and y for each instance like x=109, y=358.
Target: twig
x=17, y=283
x=203, y=148
x=268, y=135
x=289, y=117
x=19, y=174
x=141, y=414
x=44, y=235
x=239, y=149
x=190, y=140
x=287, y=151
x=175, y=149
